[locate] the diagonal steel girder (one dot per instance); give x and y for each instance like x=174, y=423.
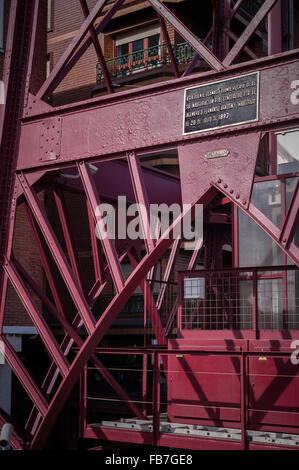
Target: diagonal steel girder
x=104, y=323
x=250, y=208
x=73, y=52
x=98, y=48
x=108, y=245
x=197, y=45
x=249, y=31
x=17, y=68
x=58, y=255
x=70, y=337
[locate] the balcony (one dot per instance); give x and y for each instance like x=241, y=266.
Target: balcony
x=145, y=60
x=260, y=301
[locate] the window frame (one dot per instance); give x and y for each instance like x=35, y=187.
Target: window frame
x=50, y=15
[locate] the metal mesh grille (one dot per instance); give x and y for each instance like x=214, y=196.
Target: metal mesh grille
x=240, y=299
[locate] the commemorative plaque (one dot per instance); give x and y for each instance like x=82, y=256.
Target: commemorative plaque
x=221, y=104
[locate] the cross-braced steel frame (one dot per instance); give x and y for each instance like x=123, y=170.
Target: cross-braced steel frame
x=37, y=139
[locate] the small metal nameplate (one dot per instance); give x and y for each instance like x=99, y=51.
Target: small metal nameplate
x=221, y=104
x=217, y=153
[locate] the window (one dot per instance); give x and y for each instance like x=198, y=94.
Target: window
x=1, y=25
x=49, y=64
x=256, y=248
x=194, y=288
x=50, y=15
x=137, y=51
x=287, y=151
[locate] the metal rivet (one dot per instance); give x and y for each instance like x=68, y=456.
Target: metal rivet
x=231, y=191
x=244, y=202
x=219, y=180
x=237, y=196
x=225, y=185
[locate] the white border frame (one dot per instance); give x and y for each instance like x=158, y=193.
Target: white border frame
x=225, y=125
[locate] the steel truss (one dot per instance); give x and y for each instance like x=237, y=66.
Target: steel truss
x=38, y=139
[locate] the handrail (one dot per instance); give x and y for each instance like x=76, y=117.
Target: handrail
x=214, y=299
x=145, y=59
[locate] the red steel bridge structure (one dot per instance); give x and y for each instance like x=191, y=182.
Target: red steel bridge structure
x=228, y=387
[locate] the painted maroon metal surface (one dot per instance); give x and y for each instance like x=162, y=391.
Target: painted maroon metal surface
x=235, y=172
x=161, y=115
x=273, y=393
x=141, y=121
x=159, y=186
x=210, y=391
x=212, y=385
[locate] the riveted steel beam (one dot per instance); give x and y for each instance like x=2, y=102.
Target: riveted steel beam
x=161, y=111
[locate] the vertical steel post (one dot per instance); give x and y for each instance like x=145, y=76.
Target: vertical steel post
x=96, y=253
x=68, y=235
x=17, y=68
x=221, y=24
x=151, y=305
x=144, y=383
x=180, y=300
x=156, y=398
x=275, y=29
x=169, y=47
x=98, y=48
x=83, y=402
x=255, y=302
x=243, y=399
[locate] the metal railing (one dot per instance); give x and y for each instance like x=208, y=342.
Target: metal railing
x=265, y=298
x=145, y=59
x=157, y=396
x=139, y=310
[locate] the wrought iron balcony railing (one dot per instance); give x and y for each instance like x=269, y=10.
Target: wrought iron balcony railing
x=145, y=59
